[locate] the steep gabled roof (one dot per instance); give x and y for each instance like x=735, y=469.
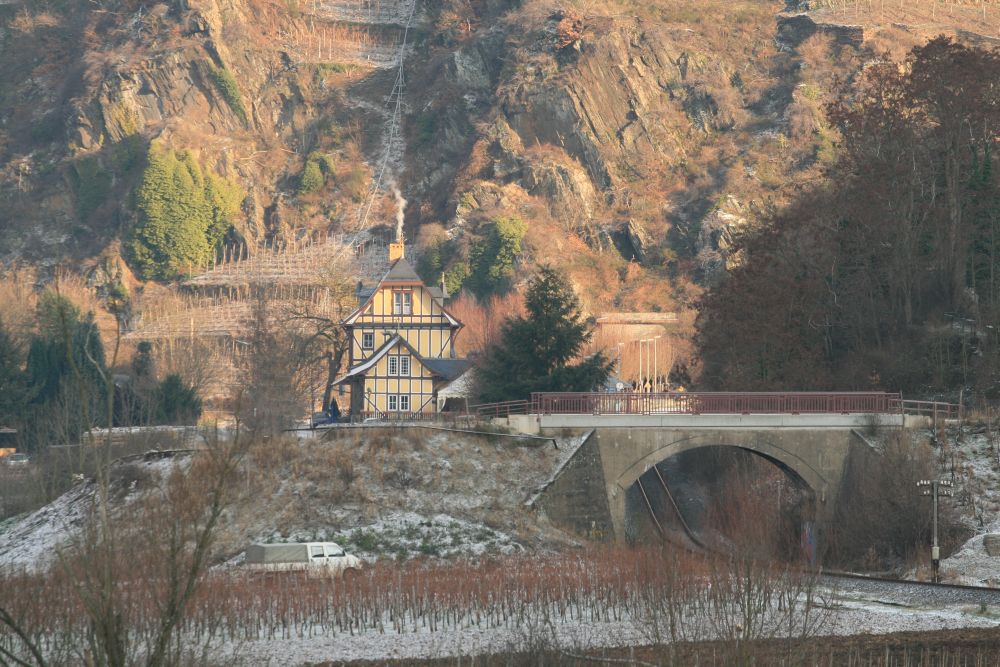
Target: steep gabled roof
x=401, y=271
x=448, y=369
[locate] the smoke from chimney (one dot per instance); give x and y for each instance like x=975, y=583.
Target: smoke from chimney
x=400, y=208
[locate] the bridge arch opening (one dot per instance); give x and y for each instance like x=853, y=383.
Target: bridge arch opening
x=723, y=498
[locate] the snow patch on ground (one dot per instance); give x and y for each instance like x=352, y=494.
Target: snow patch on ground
x=30, y=542
x=440, y=535
x=403, y=535
x=976, y=470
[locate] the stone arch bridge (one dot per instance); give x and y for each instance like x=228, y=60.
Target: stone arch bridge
x=808, y=435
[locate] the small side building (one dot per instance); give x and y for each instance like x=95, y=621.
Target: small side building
x=402, y=346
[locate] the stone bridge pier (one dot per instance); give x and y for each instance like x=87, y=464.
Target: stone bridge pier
x=587, y=495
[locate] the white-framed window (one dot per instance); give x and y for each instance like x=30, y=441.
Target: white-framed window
x=393, y=402
x=404, y=366
x=404, y=403
x=367, y=340
x=402, y=303
x=393, y=364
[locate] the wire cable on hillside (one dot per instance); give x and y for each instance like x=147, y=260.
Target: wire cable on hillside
x=394, y=120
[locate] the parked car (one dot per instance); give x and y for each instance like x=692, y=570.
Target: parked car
x=313, y=558
x=17, y=459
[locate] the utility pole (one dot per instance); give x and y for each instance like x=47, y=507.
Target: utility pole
x=932, y=488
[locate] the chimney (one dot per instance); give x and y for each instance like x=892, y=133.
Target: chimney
x=395, y=252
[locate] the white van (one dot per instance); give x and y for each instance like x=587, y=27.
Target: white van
x=319, y=558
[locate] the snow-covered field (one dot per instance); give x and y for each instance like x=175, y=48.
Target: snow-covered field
x=851, y=618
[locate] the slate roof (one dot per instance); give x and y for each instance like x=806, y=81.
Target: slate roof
x=449, y=369
x=402, y=271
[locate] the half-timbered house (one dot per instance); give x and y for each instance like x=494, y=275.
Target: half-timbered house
x=402, y=345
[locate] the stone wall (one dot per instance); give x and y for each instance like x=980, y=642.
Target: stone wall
x=577, y=500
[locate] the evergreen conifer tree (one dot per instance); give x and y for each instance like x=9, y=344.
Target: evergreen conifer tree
x=66, y=362
x=535, y=352
x=176, y=403
x=312, y=178
x=14, y=394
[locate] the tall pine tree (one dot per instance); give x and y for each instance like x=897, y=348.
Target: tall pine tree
x=535, y=352
x=66, y=365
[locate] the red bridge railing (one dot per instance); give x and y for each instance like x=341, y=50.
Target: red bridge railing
x=704, y=403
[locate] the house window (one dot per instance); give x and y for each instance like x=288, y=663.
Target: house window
x=393, y=402
x=404, y=366
x=402, y=303
x=367, y=340
x=393, y=365
x=404, y=403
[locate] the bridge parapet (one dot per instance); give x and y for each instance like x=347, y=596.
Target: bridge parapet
x=745, y=403
x=813, y=408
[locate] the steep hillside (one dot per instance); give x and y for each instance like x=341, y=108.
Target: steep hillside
x=635, y=138
x=251, y=86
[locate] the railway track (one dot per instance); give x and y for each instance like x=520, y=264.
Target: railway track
x=908, y=592
x=880, y=589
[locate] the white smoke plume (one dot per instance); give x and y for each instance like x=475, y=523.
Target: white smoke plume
x=400, y=208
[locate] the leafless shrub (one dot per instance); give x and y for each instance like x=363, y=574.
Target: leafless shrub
x=400, y=476
x=888, y=539
x=128, y=578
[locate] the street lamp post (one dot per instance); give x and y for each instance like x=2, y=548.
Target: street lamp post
x=932, y=488
x=656, y=376
x=646, y=368
x=640, y=364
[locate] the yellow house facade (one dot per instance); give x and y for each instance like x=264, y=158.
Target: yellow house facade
x=402, y=346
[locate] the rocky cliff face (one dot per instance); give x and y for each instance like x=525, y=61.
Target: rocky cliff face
x=651, y=134
x=75, y=120
x=627, y=131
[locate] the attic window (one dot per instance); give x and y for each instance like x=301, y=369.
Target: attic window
x=402, y=302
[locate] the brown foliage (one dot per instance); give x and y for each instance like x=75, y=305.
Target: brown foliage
x=569, y=30
x=483, y=320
